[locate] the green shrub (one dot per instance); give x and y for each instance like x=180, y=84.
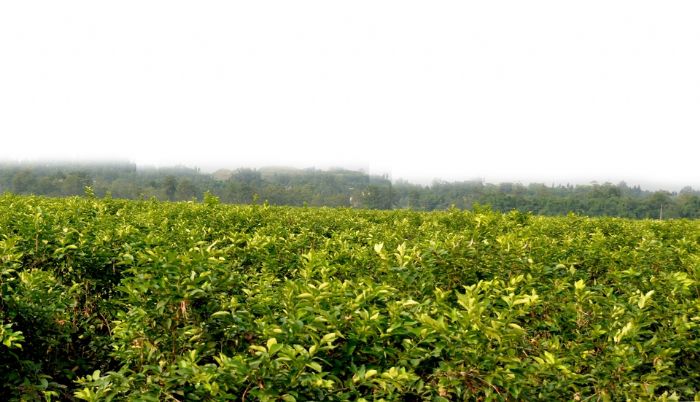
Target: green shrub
x=146, y=300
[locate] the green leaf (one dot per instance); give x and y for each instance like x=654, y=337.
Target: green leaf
x=221, y=314
x=314, y=366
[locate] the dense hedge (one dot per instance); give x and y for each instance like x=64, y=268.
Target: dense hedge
x=109, y=299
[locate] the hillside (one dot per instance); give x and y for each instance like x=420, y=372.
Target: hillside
x=343, y=188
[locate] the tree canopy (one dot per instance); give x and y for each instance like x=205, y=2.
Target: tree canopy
x=343, y=188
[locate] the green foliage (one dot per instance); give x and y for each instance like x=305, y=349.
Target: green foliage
x=106, y=299
x=342, y=188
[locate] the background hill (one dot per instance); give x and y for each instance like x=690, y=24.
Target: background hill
x=342, y=188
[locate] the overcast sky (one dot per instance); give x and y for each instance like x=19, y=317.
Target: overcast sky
x=552, y=91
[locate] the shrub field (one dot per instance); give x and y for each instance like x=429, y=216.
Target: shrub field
x=105, y=299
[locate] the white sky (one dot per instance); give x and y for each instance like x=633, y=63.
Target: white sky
x=551, y=91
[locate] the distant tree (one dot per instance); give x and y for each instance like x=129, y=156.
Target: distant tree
x=124, y=188
x=688, y=205
x=346, y=188
x=657, y=202
x=186, y=190
x=170, y=187
x=377, y=197
x=23, y=181
x=75, y=183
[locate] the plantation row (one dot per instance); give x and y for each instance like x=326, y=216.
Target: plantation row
x=105, y=299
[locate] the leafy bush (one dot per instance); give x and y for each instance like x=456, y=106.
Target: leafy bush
x=145, y=300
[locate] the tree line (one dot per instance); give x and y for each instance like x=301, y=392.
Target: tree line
x=343, y=188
